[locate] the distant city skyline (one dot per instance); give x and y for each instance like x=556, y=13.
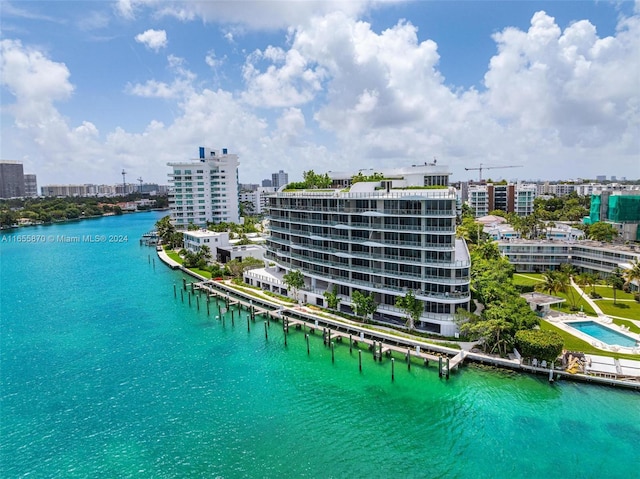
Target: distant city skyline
x=93, y=88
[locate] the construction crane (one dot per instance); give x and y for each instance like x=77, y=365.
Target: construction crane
x=140, y=180
x=490, y=168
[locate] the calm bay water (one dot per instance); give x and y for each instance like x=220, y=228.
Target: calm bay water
x=105, y=374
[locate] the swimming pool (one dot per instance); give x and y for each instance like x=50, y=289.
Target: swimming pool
x=602, y=333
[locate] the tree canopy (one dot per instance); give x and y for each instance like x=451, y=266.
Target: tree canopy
x=601, y=231
x=333, y=300
x=364, y=304
x=312, y=180
x=411, y=306
x=294, y=280
x=504, y=312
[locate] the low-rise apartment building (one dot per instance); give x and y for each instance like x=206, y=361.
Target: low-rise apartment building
x=589, y=256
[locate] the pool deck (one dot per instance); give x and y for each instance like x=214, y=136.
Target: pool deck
x=564, y=322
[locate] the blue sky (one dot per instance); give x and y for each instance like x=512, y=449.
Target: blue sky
x=89, y=88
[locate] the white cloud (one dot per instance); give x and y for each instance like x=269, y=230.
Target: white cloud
x=35, y=81
x=253, y=14
x=125, y=9
x=292, y=83
x=153, y=39
x=93, y=21
x=341, y=95
x=213, y=61
x=572, y=83
x=10, y=10
x=181, y=85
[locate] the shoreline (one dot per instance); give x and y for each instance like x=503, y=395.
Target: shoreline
x=513, y=364
x=72, y=220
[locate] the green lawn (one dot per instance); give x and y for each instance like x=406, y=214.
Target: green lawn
x=531, y=279
x=527, y=279
x=201, y=272
x=174, y=256
x=630, y=324
x=607, y=292
x=572, y=343
x=566, y=306
x=625, y=309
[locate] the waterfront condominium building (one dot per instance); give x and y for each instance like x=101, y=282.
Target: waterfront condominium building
x=11, y=179
x=30, y=185
x=205, y=189
x=382, y=237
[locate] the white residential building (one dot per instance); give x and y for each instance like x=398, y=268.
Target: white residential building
x=589, y=256
x=205, y=189
x=479, y=200
x=384, y=237
x=222, y=248
x=557, y=189
x=524, y=196
x=257, y=198
x=510, y=198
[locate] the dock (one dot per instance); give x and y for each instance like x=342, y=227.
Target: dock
x=381, y=345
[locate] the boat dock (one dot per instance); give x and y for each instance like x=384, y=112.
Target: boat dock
x=410, y=349
x=381, y=345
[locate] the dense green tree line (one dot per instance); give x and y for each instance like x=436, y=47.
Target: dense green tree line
x=503, y=312
x=47, y=210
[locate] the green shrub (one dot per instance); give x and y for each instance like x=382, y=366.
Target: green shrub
x=540, y=344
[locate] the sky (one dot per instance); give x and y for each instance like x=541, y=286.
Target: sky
x=549, y=89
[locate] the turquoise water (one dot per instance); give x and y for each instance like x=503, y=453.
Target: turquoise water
x=105, y=374
x=602, y=333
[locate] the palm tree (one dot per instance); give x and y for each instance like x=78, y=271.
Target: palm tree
x=205, y=253
x=616, y=281
x=553, y=282
x=165, y=229
x=590, y=279
x=632, y=273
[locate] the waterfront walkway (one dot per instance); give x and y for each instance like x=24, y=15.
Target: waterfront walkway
x=587, y=298
x=388, y=337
